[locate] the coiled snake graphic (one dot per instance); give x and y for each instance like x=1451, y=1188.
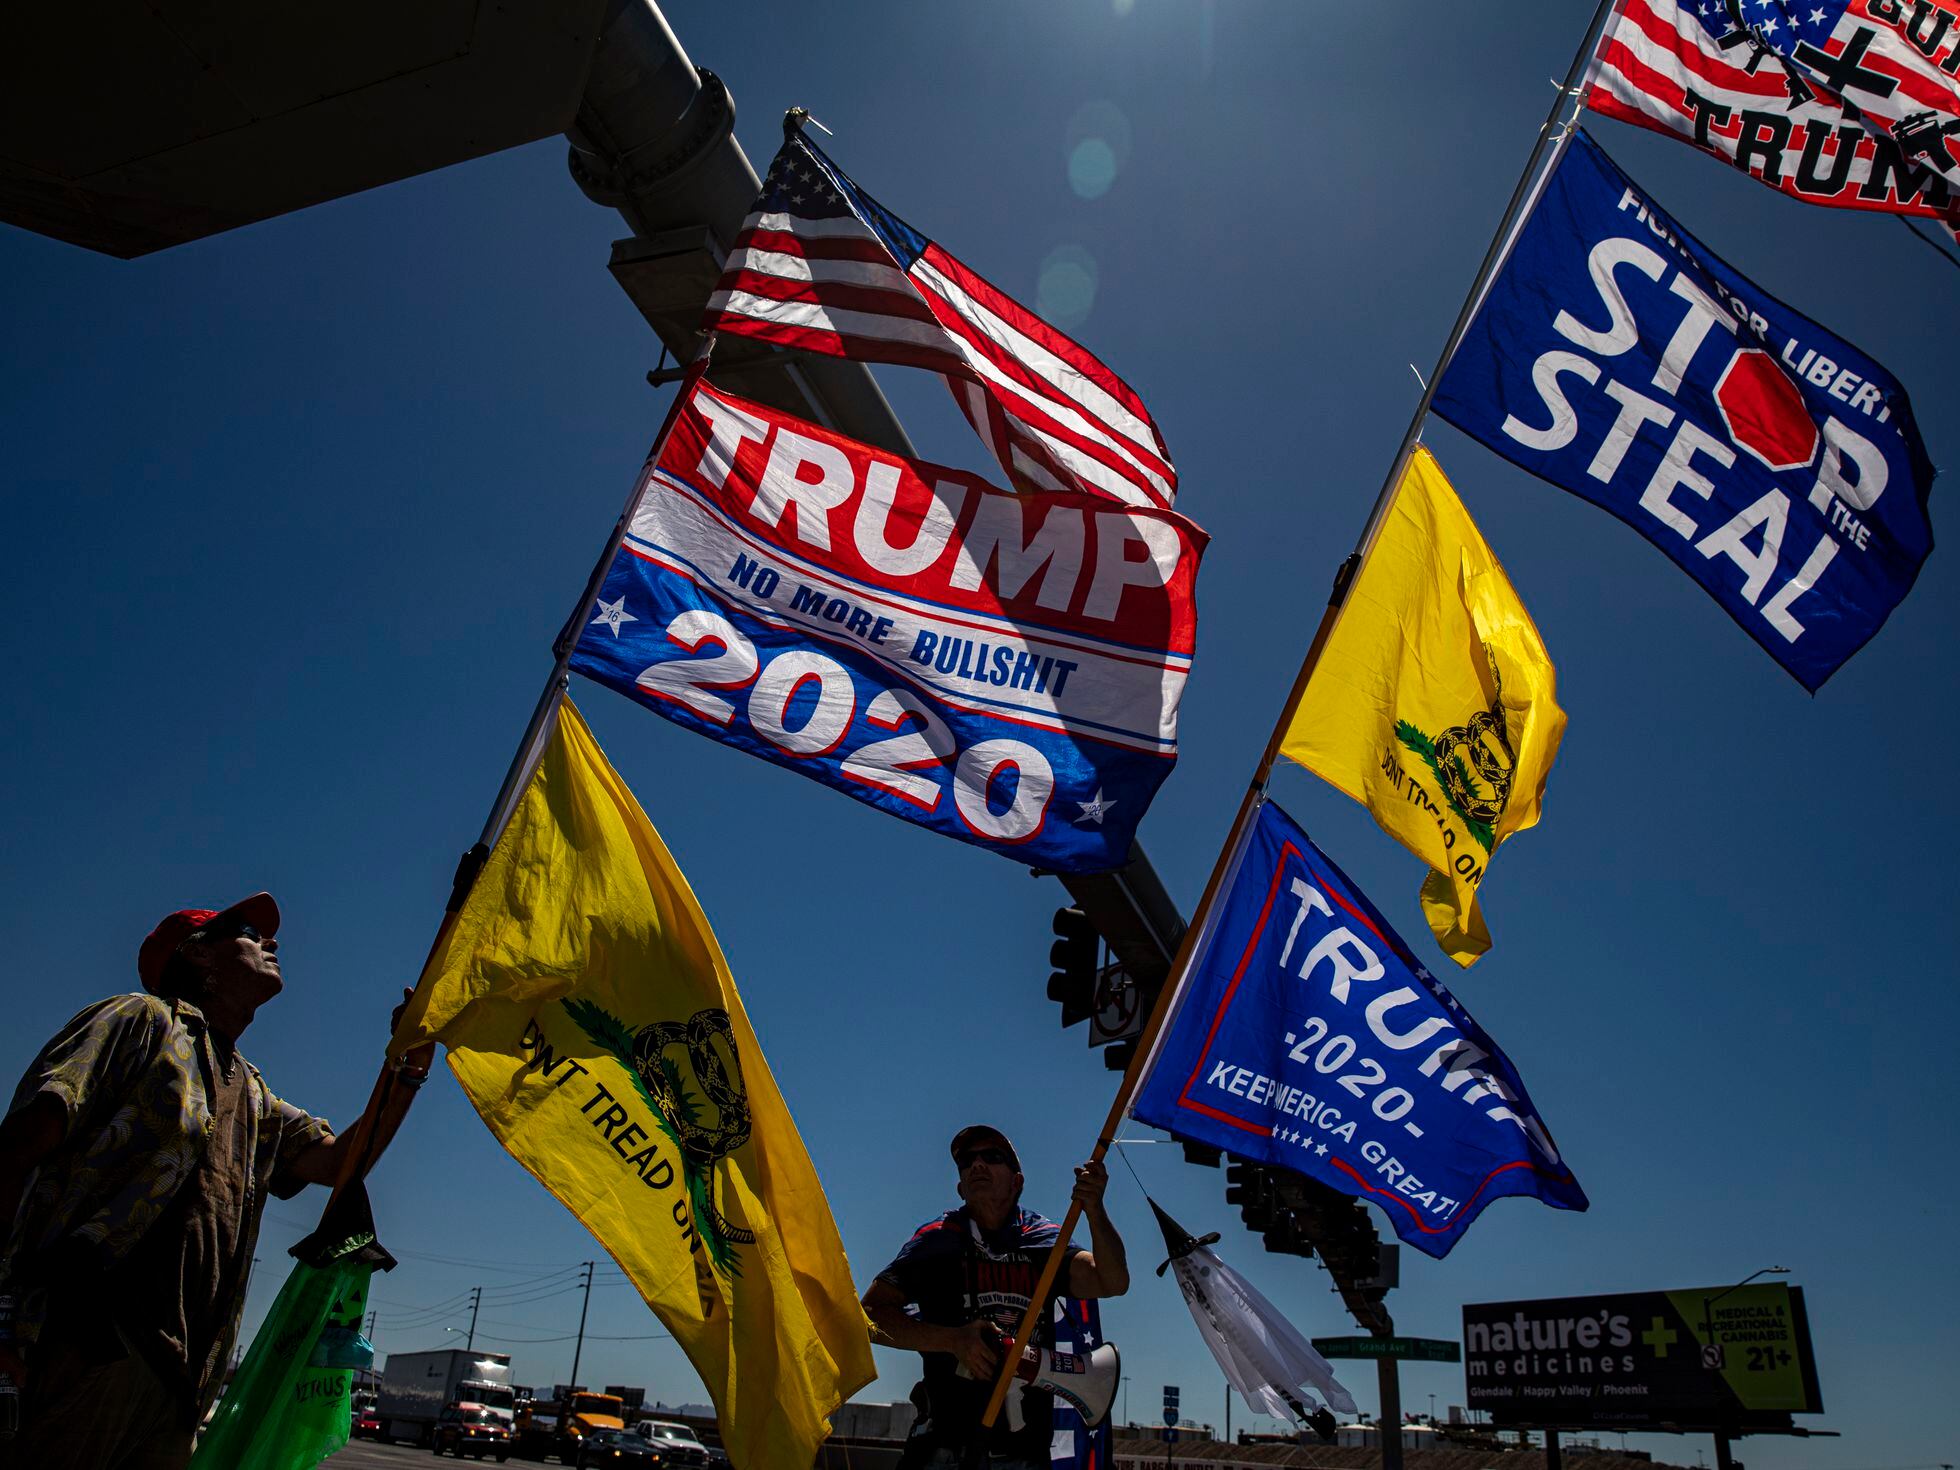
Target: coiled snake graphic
x=1482, y=743
x=705, y=1136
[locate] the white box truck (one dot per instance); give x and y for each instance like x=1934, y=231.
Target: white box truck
x=417, y=1387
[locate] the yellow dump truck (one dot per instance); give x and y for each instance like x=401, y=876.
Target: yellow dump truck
x=557, y=1426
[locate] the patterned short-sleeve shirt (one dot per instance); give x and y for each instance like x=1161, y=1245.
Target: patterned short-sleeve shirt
x=133, y=1074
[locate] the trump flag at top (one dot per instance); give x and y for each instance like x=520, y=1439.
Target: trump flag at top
x=1004, y=669
x=1772, y=461
x=1852, y=105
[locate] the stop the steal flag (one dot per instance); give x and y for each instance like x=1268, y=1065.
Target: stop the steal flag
x=1306, y=1035
x=1771, y=460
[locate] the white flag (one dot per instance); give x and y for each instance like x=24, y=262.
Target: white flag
x=1263, y=1355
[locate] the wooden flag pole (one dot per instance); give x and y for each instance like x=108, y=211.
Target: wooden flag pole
x=1160, y=1012
x=529, y=746
x=1550, y=142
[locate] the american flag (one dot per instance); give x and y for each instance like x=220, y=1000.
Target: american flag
x=1075, y=1446
x=1825, y=102
x=821, y=265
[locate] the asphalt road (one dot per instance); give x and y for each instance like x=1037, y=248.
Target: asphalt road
x=364, y=1454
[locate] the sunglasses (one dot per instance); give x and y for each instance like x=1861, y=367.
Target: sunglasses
x=230, y=931
x=983, y=1155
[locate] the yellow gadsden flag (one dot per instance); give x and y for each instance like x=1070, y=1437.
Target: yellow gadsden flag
x=1432, y=703
x=591, y=1019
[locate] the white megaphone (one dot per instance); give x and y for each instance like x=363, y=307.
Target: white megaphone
x=1087, y=1380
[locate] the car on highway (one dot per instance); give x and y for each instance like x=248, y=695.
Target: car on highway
x=616, y=1447
x=471, y=1429
x=367, y=1424
x=678, y=1444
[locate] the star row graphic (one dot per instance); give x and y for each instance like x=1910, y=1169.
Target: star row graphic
x=1294, y=1135
x=779, y=179
x=1709, y=10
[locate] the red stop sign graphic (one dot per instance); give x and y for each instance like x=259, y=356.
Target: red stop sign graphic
x=1765, y=412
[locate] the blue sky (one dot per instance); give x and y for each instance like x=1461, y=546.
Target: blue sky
x=298, y=510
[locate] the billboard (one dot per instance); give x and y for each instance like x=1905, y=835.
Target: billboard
x=1709, y=1358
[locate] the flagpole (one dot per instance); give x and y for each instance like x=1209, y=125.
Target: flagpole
x=529, y=747
x=533, y=738
x=1550, y=141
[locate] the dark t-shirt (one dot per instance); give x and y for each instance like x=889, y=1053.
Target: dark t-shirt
x=955, y=1273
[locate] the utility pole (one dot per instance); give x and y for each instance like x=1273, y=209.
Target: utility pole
x=1388, y=1375
x=579, y=1350
x=476, y=1300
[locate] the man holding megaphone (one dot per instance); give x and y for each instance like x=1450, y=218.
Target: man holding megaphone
x=956, y=1292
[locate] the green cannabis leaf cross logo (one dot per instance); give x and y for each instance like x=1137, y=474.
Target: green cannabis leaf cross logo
x=706, y=1123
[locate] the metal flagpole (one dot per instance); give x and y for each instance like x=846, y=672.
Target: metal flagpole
x=1550, y=141
x=533, y=740
x=529, y=746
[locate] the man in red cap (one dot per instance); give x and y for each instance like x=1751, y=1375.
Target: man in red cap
x=135, y=1161
x=969, y=1275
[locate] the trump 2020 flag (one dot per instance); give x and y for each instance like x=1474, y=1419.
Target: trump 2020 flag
x=1434, y=703
x=1772, y=461
x=591, y=1019
x=1306, y=1036
x=1003, y=669
x=1847, y=103
x=821, y=266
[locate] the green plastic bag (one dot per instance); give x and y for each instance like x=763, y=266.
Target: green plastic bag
x=290, y=1404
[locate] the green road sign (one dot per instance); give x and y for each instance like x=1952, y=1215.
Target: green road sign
x=1416, y=1349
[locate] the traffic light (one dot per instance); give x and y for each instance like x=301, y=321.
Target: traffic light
x=1202, y=1153
x=1287, y=1235
x=1074, y=955
x=1349, y=1246
x=1250, y=1187
x=1323, y=1424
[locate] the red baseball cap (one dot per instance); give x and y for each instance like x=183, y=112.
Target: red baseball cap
x=259, y=911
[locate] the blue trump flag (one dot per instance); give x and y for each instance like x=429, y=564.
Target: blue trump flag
x=1775, y=463
x=1307, y=1036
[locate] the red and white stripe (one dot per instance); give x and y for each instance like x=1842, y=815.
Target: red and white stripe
x=1054, y=416
x=1922, y=82
x=1653, y=53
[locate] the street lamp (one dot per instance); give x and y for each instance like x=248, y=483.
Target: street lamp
x=1712, y=1355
